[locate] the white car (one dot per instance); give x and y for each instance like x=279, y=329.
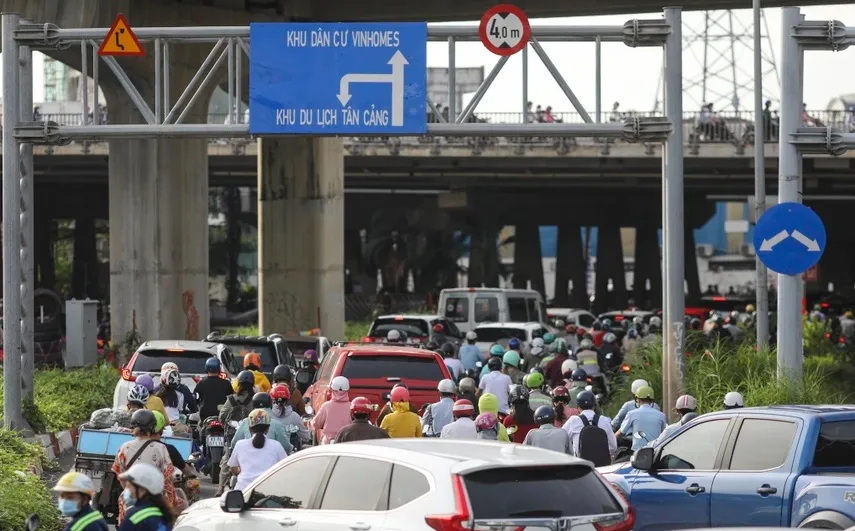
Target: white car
x=501, y=333
x=574, y=316
x=419, y=485
x=190, y=356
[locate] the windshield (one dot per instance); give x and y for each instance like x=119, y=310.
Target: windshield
x=836, y=445
x=532, y=492
x=298, y=348
x=411, y=327
x=188, y=361
x=492, y=335
x=403, y=367
x=269, y=361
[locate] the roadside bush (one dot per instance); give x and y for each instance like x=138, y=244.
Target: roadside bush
x=22, y=492
x=66, y=398
x=353, y=330
x=712, y=373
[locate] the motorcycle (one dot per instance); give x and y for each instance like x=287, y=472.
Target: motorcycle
x=213, y=434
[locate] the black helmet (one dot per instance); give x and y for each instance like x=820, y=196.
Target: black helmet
x=245, y=378
x=538, y=369
x=598, y=326
x=494, y=363
x=538, y=332
x=544, y=415
x=262, y=401
x=432, y=345
x=518, y=393
x=282, y=373
x=695, y=324
x=448, y=349
x=586, y=400
x=579, y=375
x=687, y=417
x=143, y=419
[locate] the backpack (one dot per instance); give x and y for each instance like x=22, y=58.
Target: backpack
x=593, y=442
x=238, y=412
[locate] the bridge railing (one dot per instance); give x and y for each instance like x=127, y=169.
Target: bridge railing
x=736, y=128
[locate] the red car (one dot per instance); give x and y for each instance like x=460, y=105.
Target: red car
x=372, y=371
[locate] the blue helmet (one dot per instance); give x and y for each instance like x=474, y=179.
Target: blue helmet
x=579, y=375
x=544, y=415
x=586, y=400
x=212, y=365
x=514, y=344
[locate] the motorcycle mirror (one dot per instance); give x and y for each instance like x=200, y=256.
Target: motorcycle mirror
x=33, y=522
x=479, y=364
x=310, y=410
x=233, y=423
x=589, y=388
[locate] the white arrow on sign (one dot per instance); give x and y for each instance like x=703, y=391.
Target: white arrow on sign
x=396, y=78
x=768, y=245
x=812, y=245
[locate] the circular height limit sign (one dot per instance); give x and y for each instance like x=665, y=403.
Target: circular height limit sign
x=504, y=29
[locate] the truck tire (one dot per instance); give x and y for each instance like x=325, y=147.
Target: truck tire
x=827, y=520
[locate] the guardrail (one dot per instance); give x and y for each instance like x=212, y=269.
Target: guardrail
x=736, y=128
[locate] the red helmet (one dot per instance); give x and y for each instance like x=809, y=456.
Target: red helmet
x=438, y=328
x=570, y=329
x=360, y=406
x=399, y=394
x=280, y=392
x=560, y=392
x=463, y=408
x=580, y=331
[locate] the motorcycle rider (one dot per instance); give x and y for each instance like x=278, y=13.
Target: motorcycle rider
x=334, y=414
x=469, y=354
x=212, y=390
x=567, y=369
x=685, y=404
x=511, y=366
x=463, y=426
x=488, y=427
x=282, y=374
x=146, y=495
x=387, y=407
x=586, y=401
x=561, y=406
x=590, y=358
x=546, y=435
x=536, y=397
x=610, y=345
x=496, y=383
x=176, y=396
x=182, y=498
x=75, y=492
x=553, y=369
x=252, y=363
x=394, y=336
x=630, y=405
x=283, y=411
x=548, y=338
x=401, y=422
x=276, y=432
x=496, y=351
x=733, y=400
x=571, y=338
x=536, y=353
x=254, y=455
x=236, y=408
x=454, y=365
x=438, y=414
x=489, y=403
x=311, y=363
x=520, y=419
x=152, y=403
x=597, y=334
x=439, y=334
x=468, y=390
x=360, y=429
x=579, y=382
x=645, y=421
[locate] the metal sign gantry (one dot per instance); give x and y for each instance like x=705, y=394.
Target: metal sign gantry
x=165, y=119
x=794, y=140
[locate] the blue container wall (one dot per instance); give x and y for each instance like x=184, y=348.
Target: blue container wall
x=713, y=232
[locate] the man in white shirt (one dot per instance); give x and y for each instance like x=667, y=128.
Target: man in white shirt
x=574, y=424
x=463, y=426
x=497, y=383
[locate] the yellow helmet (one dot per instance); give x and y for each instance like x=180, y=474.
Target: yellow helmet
x=645, y=392
x=749, y=308
x=75, y=482
x=848, y=315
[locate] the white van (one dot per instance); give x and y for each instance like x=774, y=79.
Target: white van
x=470, y=307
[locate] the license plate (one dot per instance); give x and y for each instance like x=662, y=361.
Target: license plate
x=215, y=441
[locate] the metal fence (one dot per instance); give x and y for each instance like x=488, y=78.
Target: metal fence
x=736, y=128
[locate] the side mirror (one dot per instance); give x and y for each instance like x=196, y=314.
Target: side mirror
x=233, y=424
x=33, y=522
x=479, y=364
x=310, y=410
x=304, y=377
x=643, y=459
x=232, y=502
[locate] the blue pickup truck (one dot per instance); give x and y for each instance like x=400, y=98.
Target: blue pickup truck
x=787, y=466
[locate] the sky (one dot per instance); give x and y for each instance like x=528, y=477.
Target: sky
x=630, y=76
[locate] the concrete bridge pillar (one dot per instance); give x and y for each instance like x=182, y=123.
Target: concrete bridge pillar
x=483, y=256
x=528, y=259
x=648, y=267
x=609, y=266
x=570, y=266
x=301, y=235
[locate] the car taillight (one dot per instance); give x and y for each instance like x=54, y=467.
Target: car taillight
x=460, y=520
x=215, y=424
x=842, y=340
x=197, y=379
x=626, y=524
x=422, y=339
x=224, y=375
x=368, y=339
x=827, y=335
x=127, y=376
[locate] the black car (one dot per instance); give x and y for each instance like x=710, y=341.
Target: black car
x=272, y=349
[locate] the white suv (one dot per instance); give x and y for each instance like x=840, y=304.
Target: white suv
x=419, y=485
x=501, y=333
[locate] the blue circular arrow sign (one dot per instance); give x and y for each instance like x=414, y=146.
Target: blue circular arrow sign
x=789, y=238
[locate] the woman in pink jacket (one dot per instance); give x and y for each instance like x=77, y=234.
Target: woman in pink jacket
x=334, y=414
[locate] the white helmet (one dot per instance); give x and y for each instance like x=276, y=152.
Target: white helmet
x=610, y=338
x=656, y=321
x=586, y=344
x=471, y=335
x=686, y=402
x=171, y=378
x=393, y=336
x=145, y=476
x=638, y=384
x=468, y=384
x=166, y=367
x=569, y=366
x=340, y=383
x=138, y=394
x=733, y=399
x=446, y=386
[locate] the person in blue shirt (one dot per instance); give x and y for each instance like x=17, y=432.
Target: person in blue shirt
x=645, y=423
x=277, y=430
x=630, y=405
x=469, y=354
x=75, y=491
x=143, y=495
x=496, y=351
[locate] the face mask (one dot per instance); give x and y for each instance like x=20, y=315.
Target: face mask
x=129, y=498
x=68, y=507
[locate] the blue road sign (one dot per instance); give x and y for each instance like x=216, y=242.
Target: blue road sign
x=789, y=238
x=338, y=79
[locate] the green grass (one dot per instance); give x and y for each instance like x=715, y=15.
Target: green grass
x=22, y=492
x=353, y=330
x=712, y=373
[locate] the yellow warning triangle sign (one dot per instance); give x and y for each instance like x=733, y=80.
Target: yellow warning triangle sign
x=120, y=40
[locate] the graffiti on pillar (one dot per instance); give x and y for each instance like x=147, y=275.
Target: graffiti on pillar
x=678, y=333
x=191, y=332
x=288, y=308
